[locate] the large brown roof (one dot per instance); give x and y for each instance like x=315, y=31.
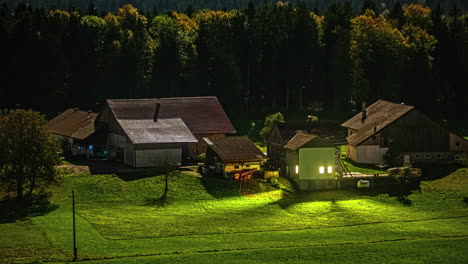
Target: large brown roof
x=302, y=139
x=328, y=130
x=202, y=115
x=163, y=131
x=235, y=149
x=379, y=115
x=73, y=123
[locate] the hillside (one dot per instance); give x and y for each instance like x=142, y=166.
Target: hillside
x=209, y=219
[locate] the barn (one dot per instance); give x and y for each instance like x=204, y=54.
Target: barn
x=404, y=130
x=233, y=154
x=78, y=134
x=148, y=132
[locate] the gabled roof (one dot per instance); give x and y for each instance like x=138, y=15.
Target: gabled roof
x=147, y=131
x=73, y=123
x=235, y=149
x=302, y=139
x=379, y=115
x=202, y=115
x=328, y=130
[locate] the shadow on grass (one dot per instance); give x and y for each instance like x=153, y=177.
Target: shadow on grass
x=220, y=188
x=159, y=202
x=436, y=171
x=35, y=205
x=400, y=192
x=138, y=174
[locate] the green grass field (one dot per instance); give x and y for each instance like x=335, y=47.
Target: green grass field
x=210, y=221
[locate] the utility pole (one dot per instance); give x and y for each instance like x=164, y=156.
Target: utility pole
x=75, y=250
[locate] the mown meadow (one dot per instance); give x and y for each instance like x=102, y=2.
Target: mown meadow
x=212, y=220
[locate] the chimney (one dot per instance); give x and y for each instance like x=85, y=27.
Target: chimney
x=156, y=111
x=364, y=113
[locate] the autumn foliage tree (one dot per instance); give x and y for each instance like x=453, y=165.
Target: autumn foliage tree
x=28, y=153
x=264, y=57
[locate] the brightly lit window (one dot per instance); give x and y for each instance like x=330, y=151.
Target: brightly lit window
x=297, y=169
x=322, y=170
x=329, y=169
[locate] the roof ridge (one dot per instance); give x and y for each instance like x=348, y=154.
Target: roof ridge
x=192, y=97
x=162, y=98
x=378, y=128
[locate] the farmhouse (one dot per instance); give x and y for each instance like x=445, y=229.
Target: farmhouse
x=283, y=132
x=400, y=128
x=310, y=161
x=76, y=130
x=233, y=154
x=148, y=132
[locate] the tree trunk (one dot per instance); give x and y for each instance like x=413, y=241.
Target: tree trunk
x=33, y=185
x=19, y=187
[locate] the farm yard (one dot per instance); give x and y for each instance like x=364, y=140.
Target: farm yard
x=212, y=220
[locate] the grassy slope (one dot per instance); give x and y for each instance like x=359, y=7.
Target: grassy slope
x=117, y=219
x=362, y=168
x=446, y=251
x=456, y=182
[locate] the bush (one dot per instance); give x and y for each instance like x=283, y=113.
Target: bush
x=201, y=158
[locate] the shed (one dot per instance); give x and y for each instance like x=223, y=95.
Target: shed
x=230, y=154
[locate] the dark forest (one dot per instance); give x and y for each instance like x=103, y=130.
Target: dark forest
x=259, y=58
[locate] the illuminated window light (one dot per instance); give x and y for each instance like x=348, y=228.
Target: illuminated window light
x=329, y=169
x=322, y=170
x=297, y=169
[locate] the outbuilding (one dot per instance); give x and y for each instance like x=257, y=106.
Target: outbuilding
x=78, y=134
x=311, y=161
x=233, y=154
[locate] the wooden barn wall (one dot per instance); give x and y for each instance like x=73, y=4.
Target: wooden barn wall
x=108, y=118
x=275, y=150
x=415, y=132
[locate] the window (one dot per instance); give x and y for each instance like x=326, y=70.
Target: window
x=428, y=156
x=439, y=156
x=329, y=169
x=236, y=166
x=297, y=169
x=417, y=156
x=322, y=170
x=457, y=144
x=247, y=166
